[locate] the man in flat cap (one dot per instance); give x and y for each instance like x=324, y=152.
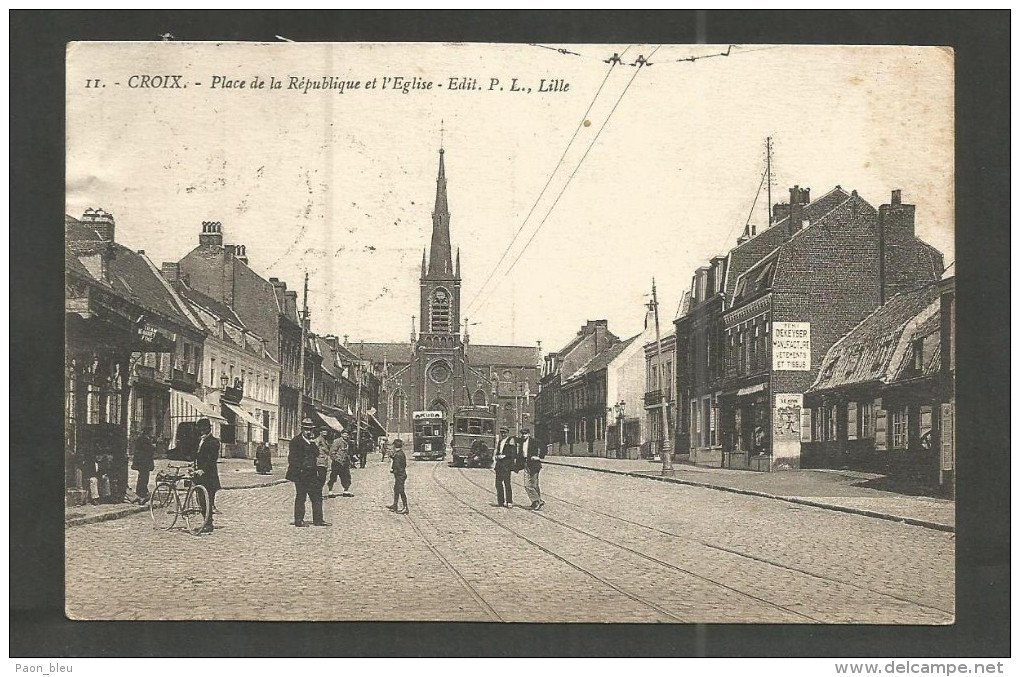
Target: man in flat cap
x=506, y=457
x=532, y=453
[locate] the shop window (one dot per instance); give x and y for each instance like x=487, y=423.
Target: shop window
x=816, y=418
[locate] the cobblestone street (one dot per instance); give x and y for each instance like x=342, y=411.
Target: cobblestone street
x=605, y=548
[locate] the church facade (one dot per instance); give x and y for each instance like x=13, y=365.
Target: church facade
x=438, y=369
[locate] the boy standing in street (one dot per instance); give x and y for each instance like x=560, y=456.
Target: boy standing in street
x=399, y=470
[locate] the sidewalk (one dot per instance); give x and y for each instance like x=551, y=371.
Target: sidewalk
x=235, y=473
x=828, y=489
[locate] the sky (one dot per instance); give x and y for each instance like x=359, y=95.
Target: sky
x=627, y=173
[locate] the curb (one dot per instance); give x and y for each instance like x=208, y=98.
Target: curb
x=134, y=509
x=937, y=526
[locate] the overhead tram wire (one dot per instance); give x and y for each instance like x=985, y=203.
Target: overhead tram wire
x=569, y=178
x=552, y=175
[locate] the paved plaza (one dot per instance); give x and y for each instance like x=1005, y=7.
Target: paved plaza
x=604, y=548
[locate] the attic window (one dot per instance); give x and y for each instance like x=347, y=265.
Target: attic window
x=829, y=368
x=880, y=356
x=918, y=355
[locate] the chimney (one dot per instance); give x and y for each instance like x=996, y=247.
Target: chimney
x=291, y=297
x=100, y=221
x=171, y=271
x=238, y=251
x=212, y=234
x=799, y=197
x=896, y=220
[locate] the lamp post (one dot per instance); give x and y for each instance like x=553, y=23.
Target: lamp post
x=620, y=409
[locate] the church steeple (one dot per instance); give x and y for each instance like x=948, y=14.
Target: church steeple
x=440, y=257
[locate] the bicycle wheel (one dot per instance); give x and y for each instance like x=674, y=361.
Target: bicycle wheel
x=164, y=506
x=194, y=516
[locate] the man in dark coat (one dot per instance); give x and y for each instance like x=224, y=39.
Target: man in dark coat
x=506, y=457
x=207, y=475
x=301, y=470
x=142, y=461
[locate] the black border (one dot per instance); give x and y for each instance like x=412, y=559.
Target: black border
x=37, y=625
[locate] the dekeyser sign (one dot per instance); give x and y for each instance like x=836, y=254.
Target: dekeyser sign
x=791, y=346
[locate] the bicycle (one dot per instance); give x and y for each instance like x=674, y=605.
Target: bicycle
x=166, y=505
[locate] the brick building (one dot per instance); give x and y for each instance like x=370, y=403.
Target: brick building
x=266, y=307
x=792, y=291
x=238, y=375
x=554, y=420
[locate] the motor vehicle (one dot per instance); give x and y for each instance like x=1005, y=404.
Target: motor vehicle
x=429, y=436
x=474, y=436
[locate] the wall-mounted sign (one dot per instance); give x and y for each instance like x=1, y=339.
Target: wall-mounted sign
x=791, y=346
x=786, y=422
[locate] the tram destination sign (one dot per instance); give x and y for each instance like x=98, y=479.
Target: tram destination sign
x=419, y=415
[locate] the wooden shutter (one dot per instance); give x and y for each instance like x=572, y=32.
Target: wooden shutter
x=805, y=425
x=851, y=421
x=881, y=425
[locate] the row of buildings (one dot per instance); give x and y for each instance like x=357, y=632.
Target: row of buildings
x=824, y=340
x=154, y=349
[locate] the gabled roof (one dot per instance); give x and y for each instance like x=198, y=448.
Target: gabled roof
x=131, y=275
x=376, y=352
x=209, y=304
x=875, y=350
x=747, y=254
x=603, y=359
x=503, y=356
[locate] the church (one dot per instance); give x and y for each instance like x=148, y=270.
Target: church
x=438, y=369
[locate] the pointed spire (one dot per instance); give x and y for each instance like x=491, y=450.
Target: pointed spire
x=458, y=263
x=440, y=263
x=423, y=262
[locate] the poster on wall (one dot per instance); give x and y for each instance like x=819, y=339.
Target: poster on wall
x=791, y=346
x=786, y=430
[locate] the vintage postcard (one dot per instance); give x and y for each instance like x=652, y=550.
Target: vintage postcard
x=611, y=333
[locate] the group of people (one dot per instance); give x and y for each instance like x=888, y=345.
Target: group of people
x=514, y=454
x=319, y=456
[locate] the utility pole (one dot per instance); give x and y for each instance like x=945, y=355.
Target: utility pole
x=768, y=172
x=358, y=372
x=301, y=358
x=666, y=453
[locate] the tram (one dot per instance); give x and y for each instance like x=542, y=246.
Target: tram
x=429, y=436
x=474, y=436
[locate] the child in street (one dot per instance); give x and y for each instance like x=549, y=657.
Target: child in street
x=399, y=470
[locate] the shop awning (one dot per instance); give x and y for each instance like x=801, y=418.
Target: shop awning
x=373, y=423
x=187, y=407
x=244, y=415
x=751, y=390
x=331, y=422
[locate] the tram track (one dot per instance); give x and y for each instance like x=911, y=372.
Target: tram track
x=642, y=555
x=636, y=598
x=466, y=584
x=712, y=546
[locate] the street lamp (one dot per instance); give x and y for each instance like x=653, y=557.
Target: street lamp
x=620, y=409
